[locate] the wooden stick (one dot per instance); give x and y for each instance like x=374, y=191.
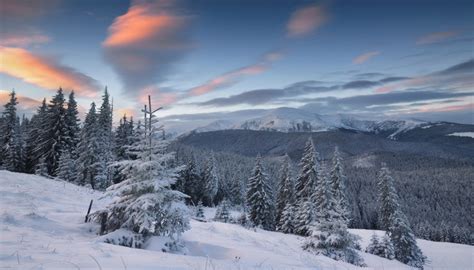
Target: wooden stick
x=88, y=211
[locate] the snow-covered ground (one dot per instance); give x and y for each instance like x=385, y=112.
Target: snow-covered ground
x=462, y=134
x=42, y=227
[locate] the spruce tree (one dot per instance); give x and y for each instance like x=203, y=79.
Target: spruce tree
x=307, y=179
x=10, y=156
x=287, y=220
x=54, y=137
x=391, y=217
x=67, y=169
x=88, y=150
x=260, y=198
x=286, y=191
x=381, y=247
x=145, y=203
x=35, y=135
x=200, y=212
x=210, y=181
x=72, y=126
x=105, y=143
x=338, y=184
x=222, y=212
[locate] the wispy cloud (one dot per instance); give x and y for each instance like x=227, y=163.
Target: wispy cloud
x=456, y=77
x=23, y=40
x=234, y=76
x=365, y=57
x=45, y=72
x=436, y=37
x=305, y=20
x=144, y=43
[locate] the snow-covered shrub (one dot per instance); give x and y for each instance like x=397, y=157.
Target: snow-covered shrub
x=199, y=215
x=381, y=247
x=123, y=237
x=222, y=212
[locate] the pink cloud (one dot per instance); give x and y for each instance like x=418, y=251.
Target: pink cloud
x=144, y=43
x=45, y=72
x=232, y=77
x=305, y=20
x=16, y=40
x=436, y=37
x=365, y=57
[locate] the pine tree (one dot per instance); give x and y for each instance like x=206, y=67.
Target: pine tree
x=260, y=198
x=35, y=135
x=105, y=143
x=145, y=203
x=286, y=191
x=71, y=120
x=304, y=218
x=210, y=181
x=54, y=137
x=41, y=168
x=338, y=185
x=307, y=179
x=200, y=212
x=189, y=182
x=222, y=212
x=67, y=169
x=392, y=218
x=10, y=154
x=287, y=220
x=88, y=149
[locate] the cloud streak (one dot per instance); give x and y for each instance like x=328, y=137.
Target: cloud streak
x=436, y=37
x=306, y=20
x=144, y=43
x=365, y=57
x=45, y=72
x=234, y=76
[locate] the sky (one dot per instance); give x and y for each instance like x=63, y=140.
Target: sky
x=393, y=58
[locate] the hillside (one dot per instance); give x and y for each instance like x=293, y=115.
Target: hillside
x=43, y=227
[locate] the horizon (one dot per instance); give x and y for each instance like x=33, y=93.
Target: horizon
x=201, y=58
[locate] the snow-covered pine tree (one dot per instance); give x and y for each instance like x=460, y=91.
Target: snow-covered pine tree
x=10, y=154
x=338, y=184
x=286, y=191
x=388, y=198
x=200, y=212
x=329, y=234
x=287, y=220
x=71, y=120
x=34, y=136
x=144, y=203
x=307, y=178
x=105, y=141
x=41, y=168
x=67, y=169
x=210, y=181
x=392, y=218
x=54, y=138
x=381, y=247
x=260, y=198
x=88, y=149
x=222, y=212
x=304, y=217
x=188, y=182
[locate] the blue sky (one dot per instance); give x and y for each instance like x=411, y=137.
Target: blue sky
x=188, y=54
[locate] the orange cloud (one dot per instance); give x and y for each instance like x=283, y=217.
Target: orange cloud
x=436, y=37
x=305, y=20
x=365, y=57
x=144, y=43
x=45, y=72
x=141, y=24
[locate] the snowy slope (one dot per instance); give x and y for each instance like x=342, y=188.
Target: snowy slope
x=42, y=227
